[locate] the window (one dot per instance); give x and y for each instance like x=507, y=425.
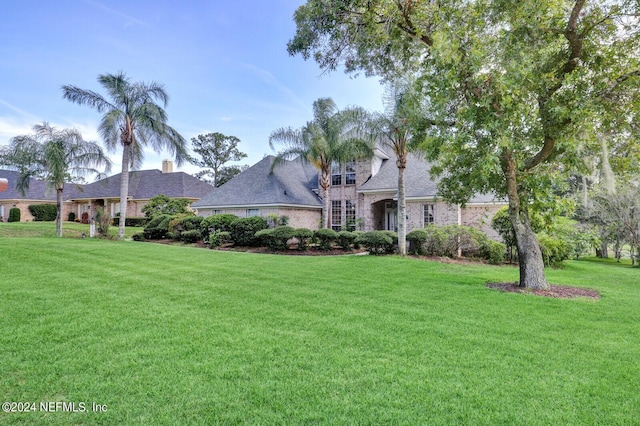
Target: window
x=336, y=215
x=215, y=212
x=350, y=215
x=429, y=214
x=350, y=173
x=253, y=212
x=336, y=174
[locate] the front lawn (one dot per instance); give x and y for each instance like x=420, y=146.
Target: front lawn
x=176, y=335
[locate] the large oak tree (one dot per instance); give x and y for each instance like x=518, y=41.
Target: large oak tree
x=517, y=79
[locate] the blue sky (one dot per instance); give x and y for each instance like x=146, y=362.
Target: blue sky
x=223, y=62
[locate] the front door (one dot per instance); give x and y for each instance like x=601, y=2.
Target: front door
x=391, y=215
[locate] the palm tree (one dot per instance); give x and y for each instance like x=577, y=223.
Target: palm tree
x=332, y=136
x=132, y=119
x=398, y=128
x=55, y=156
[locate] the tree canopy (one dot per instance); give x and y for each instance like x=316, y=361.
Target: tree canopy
x=216, y=150
x=511, y=85
x=134, y=117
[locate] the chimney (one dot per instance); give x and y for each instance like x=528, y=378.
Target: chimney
x=167, y=166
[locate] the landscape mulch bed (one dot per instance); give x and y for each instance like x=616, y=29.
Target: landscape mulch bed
x=555, y=291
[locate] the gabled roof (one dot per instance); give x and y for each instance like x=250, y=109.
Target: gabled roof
x=419, y=183
x=291, y=183
x=144, y=184
x=38, y=190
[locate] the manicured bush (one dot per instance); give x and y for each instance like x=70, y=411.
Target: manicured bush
x=356, y=244
x=276, y=238
x=72, y=217
x=43, y=212
x=493, y=251
x=394, y=241
x=325, y=238
x=191, y=236
x=303, y=235
x=376, y=242
x=217, y=222
x=163, y=204
x=218, y=238
x=243, y=230
x=158, y=227
x=185, y=223
x=417, y=238
x=130, y=221
x=346, y=239
x=138, y=237
x=435, y=245
x=14, y=214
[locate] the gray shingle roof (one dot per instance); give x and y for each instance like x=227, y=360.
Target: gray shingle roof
x=144, y=184
x=291, y=183
x=38, y=190
x=418, y=180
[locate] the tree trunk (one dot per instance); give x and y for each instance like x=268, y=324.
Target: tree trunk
x=529, y=253
x=59, y=211
x=402, y=208
x=124, y=189
x=325, y=184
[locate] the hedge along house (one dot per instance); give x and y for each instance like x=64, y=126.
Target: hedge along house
x=105, y=193
x=363, y=196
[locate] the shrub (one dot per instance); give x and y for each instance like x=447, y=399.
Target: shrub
x=158, y=227
x=376, y=242
x=325, y=238
x=346, y=239
x=102, y=222
x=163, y=204
x=43, y=212
x=554, y=250
x=394, y=241
x=303, y=235
x=417, y=238
x=191, y=236
x=185, y=223
x=356, y=244
x=14, y=214
x=243, y=230
x=72, y=217
x=217, y=222
x=130, y=221
x=276, y=238
x=493, y=251
x=218, y=238
x=435, y=245
x=138, y=237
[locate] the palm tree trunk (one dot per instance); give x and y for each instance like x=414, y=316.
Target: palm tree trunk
x=59, y=211
x=325, y=184
x=529, y=253
x=402, y=211
x=124, y=189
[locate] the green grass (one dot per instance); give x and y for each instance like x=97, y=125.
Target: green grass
x=178, y=335
x=48, y=229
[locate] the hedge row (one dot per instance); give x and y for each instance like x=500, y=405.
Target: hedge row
x=43, y=212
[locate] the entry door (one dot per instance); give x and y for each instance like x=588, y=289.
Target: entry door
x=391, y=215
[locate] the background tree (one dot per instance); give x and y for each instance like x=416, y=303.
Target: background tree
x=55, y=156
x=163, y=204
x=332, y=136
x=227, y=173
x=215, y=150
x=132, y=119
x=396, y=128
x=518, y=79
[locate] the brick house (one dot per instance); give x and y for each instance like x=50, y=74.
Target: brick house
x=363, y=196
x=143, y=185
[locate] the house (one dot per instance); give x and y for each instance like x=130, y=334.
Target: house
x=364, y=195
x=143, y=185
